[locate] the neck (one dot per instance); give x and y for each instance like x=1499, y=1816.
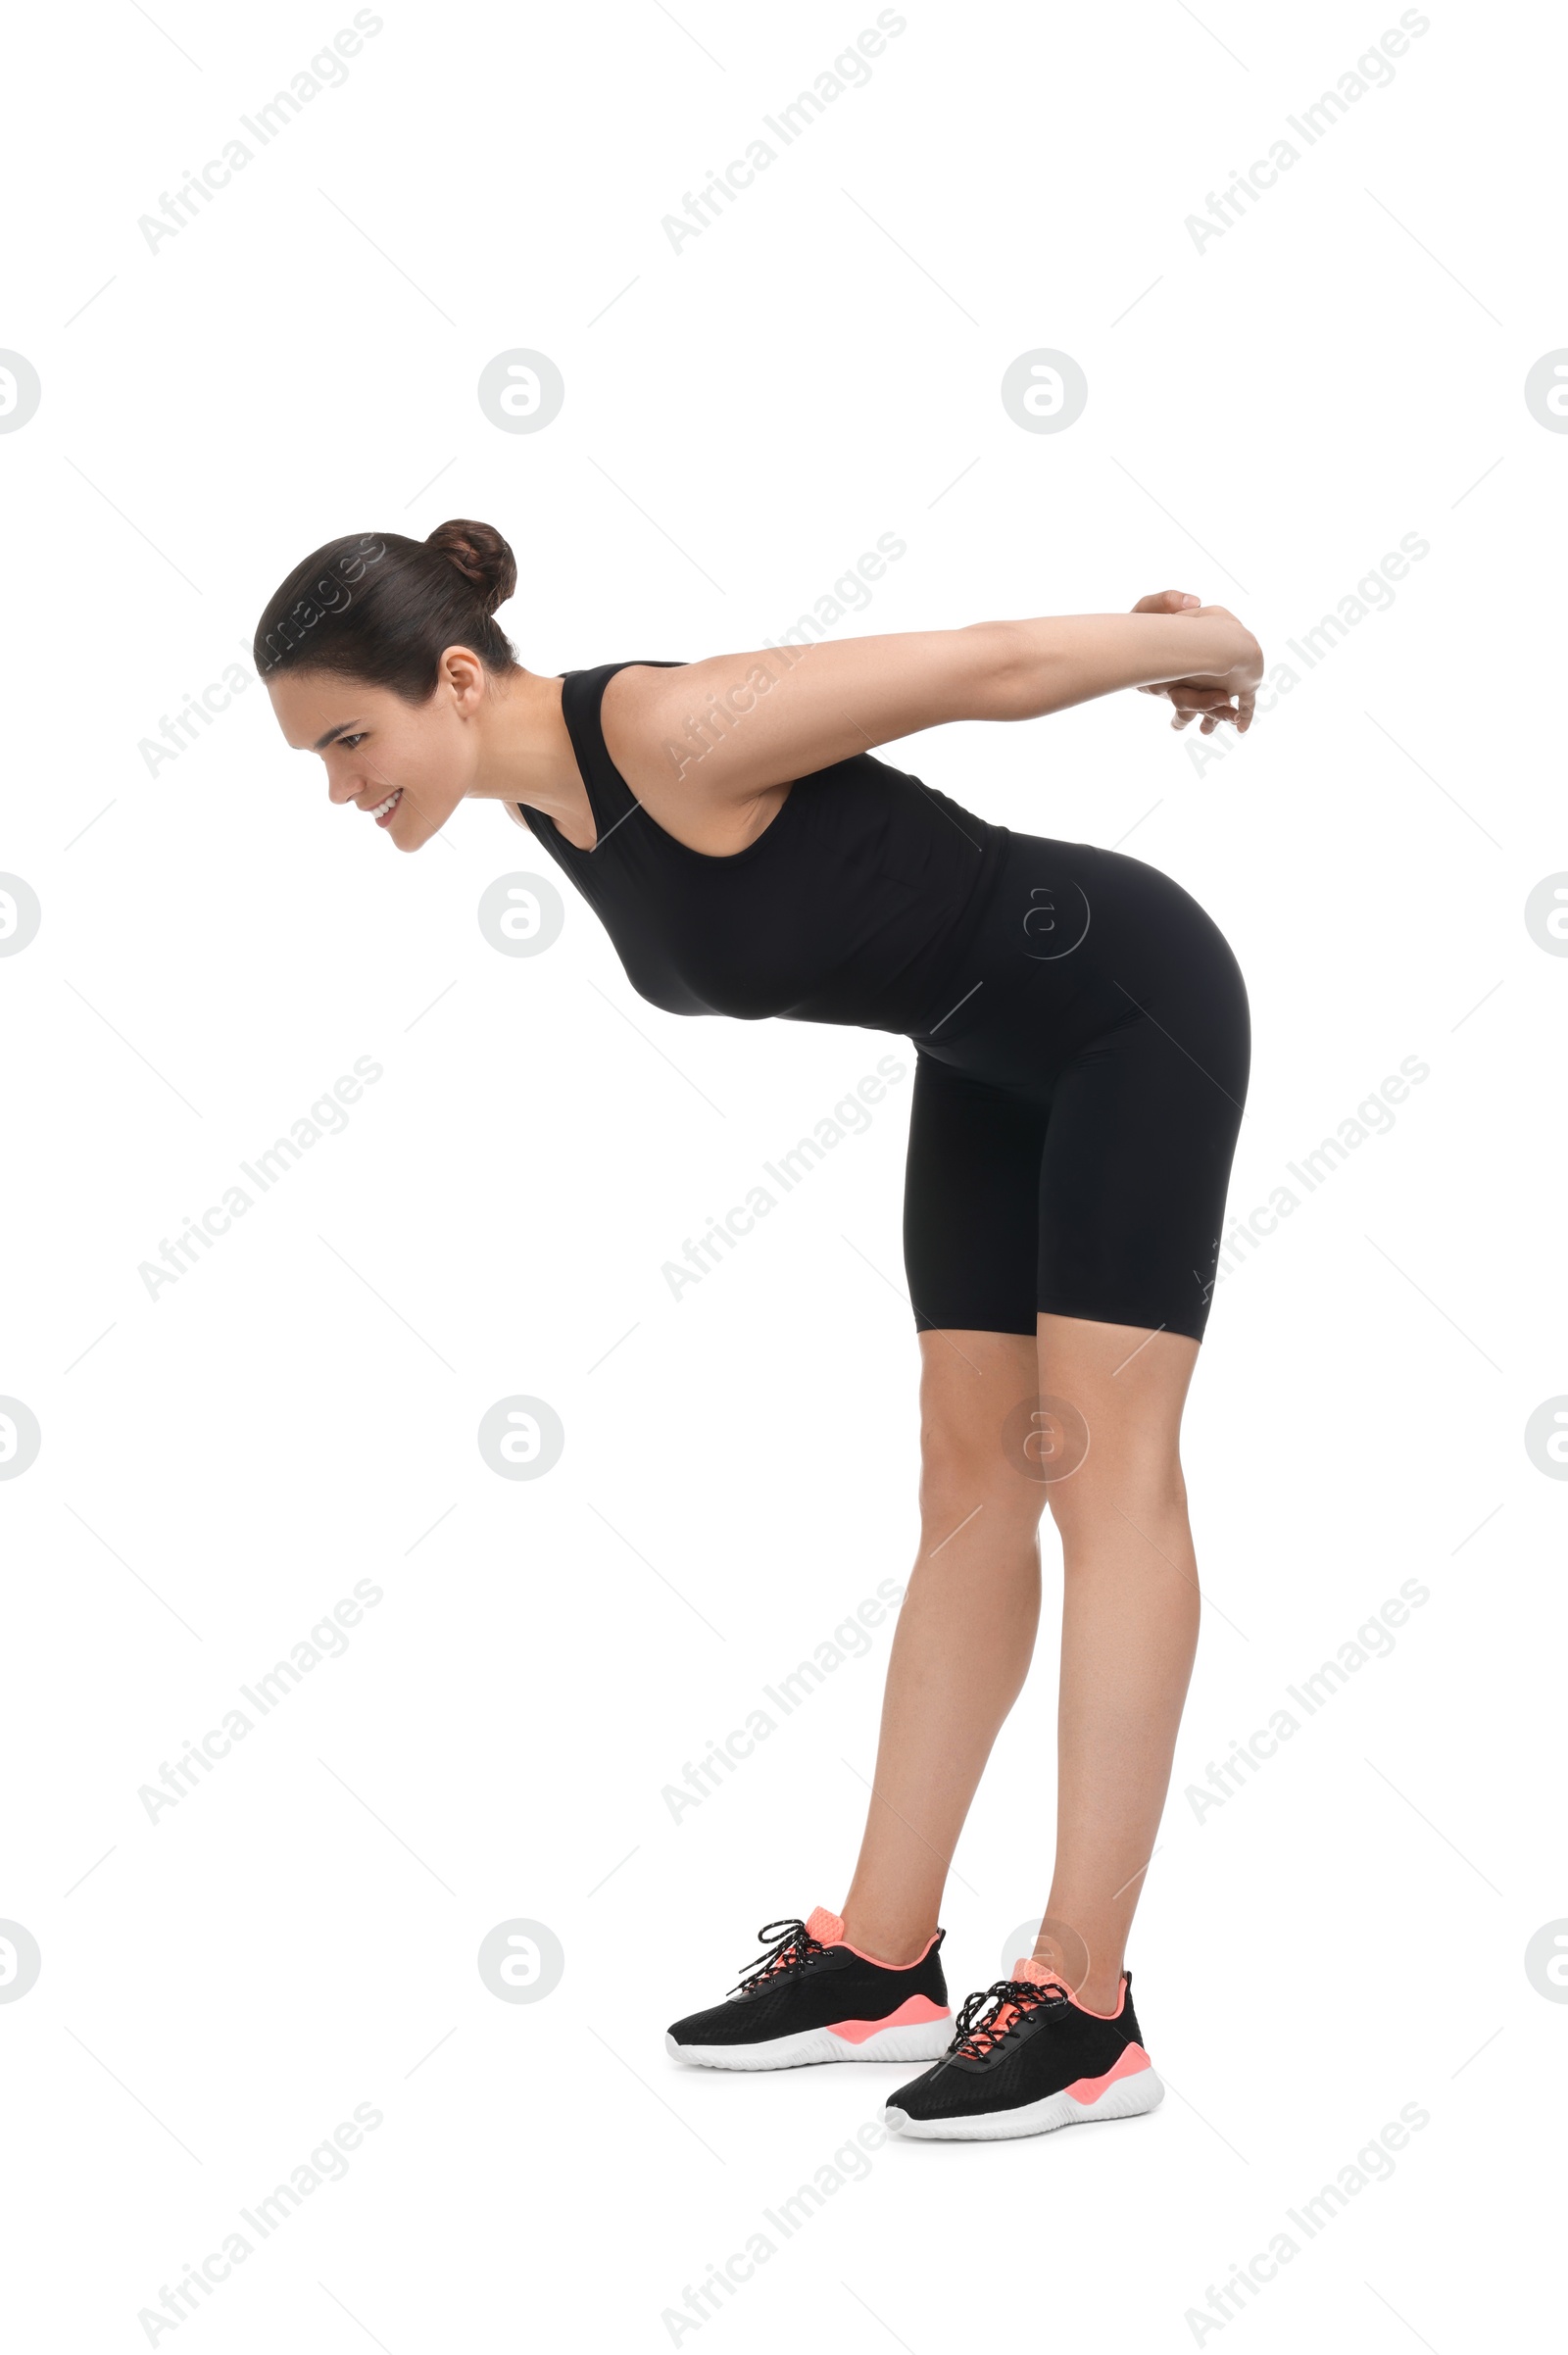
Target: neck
x=526, y=751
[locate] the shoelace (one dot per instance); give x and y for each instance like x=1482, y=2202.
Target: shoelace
x=1009, y=1998
x=793, y=1946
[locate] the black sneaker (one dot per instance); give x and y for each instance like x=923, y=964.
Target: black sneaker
x=814, y=1998
x=1028, y=2056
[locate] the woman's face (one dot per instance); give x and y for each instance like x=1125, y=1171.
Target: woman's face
x=407, y=766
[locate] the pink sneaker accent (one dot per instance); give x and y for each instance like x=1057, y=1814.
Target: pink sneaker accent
x=829, y=1928
x=1129, y=2062
x=913, y=2008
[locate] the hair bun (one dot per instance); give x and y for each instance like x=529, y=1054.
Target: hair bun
x=481, y=556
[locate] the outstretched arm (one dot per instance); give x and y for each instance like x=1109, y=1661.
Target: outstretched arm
x=734, y=725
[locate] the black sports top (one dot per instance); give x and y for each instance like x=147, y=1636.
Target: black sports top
x=854, y=905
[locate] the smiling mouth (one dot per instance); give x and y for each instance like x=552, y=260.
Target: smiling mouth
x=384, y=809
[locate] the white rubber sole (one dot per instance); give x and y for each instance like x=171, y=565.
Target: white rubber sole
x=1127, y=2098
x=919, y=2041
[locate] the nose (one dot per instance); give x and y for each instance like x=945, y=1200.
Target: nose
x=342, y=788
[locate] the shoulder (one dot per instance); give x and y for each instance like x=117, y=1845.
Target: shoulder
x=631, y=690
x=642, y=706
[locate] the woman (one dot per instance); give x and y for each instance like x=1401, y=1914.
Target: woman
x=1082, y=1044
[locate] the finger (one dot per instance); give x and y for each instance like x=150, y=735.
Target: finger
x=1221, y=701
x=1244, y=715
x=1168, y=601
x=1180, y=719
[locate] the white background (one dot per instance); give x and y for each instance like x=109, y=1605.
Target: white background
x=1267, y=416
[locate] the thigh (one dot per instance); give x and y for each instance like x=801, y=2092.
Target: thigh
x=1136, y=1164
x=971, y=1203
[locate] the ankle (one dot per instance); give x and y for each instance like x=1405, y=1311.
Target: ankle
x=885, y=1939
x=1101, y=1993
x=1096, y=1985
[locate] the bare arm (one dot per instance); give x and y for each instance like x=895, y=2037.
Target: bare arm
x=733, y=726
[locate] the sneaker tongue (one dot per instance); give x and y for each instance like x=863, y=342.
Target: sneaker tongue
x=827, y=1928
x=1036, y=1973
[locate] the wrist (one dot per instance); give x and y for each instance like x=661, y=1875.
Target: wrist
x=1238, y=653
x=1206, y=645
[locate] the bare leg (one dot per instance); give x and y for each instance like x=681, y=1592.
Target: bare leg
x=1130, y=1613
x=968, y=1627
x=964, y=1635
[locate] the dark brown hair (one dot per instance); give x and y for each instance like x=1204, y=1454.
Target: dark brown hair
x=380, y=608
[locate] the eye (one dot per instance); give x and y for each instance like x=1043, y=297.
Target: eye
x=349, y=742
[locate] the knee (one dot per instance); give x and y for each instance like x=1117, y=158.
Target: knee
x=1147, y=1490
x=960, y=1474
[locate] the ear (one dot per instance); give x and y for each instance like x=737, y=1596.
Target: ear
x=462, y=674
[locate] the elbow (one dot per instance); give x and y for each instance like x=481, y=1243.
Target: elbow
x=1005, y=679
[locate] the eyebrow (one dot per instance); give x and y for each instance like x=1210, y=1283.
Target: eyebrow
x=343, y=728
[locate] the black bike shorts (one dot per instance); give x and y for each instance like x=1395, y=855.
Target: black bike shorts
x=1075, y=1110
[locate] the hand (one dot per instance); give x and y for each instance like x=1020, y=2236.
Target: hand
x=1207, y=695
